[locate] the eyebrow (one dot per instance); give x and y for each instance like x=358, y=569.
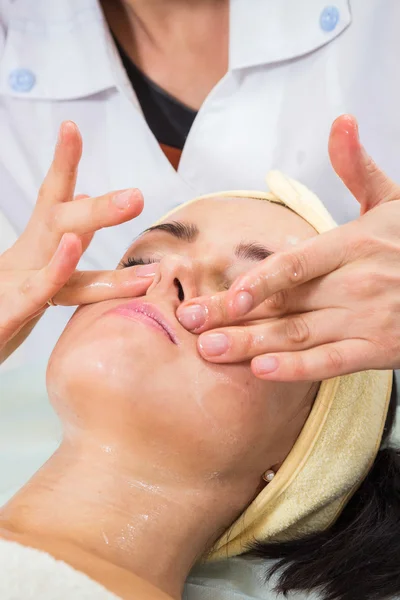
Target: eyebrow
x=252, y=251
x=189, y=232
x=182, y=231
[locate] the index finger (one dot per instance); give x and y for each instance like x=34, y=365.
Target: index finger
x=59, y=183
x=313, y=258
x=86, y=287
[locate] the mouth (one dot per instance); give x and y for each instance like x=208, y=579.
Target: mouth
x=147, y=314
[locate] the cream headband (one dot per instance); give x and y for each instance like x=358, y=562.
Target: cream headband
x=339, y=441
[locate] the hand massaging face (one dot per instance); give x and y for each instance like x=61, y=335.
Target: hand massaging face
x=129, y=372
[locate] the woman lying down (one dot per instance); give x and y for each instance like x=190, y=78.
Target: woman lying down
x=167, y=459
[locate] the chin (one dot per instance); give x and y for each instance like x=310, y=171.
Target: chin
x=105, y=374
x=103, y=358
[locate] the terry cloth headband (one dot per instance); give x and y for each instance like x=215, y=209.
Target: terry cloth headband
x=339, y=441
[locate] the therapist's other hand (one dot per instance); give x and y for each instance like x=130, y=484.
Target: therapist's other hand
x=42, y=262
x=330, y=306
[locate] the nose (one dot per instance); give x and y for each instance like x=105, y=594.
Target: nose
x=174, y=280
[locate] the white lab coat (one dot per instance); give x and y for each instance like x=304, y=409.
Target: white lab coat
x=293, y=67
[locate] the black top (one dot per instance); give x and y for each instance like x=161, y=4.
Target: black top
x=169, y=119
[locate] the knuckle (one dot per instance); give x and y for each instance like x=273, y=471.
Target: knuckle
x=370, y=166
x=363, y=240
x=297, y=330
x=298, y=367
x=215, y=310
x=222, y=313
x=384, y=189
x=295, y=267
x=278, y=301
x=25, y=288
x=247, y=342
x=363, y=283
x=334, y=358
x=54, y=218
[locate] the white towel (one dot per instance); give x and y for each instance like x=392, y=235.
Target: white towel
x=30, y=574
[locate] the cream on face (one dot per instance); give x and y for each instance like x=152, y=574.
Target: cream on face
x=128, y=372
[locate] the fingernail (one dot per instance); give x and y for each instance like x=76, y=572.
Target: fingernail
x=214, y=344
x=242, y=303
x=146, y=270
x=64, y=127
x=192, y=317
x=265, y=364
x=123, y=199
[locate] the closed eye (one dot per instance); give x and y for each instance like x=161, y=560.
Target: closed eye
x=131, y=261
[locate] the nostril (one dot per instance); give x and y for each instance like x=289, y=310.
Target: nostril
x=179, y=287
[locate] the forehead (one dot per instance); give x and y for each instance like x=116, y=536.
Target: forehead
x=245, y=218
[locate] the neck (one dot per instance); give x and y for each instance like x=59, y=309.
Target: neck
x=135, y=517
x=182, y=45
x=164, y=12
x=165, y=22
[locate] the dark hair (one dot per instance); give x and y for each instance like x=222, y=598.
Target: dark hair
x=358, y=557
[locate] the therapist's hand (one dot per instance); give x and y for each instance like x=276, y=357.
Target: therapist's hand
x=42, y=262
x=330, y=306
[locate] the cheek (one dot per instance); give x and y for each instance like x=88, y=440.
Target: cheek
x=224, y=399
x=213, y=417
x=228, y=409
x=208, y=417
x=252, y=424
x=99, y=358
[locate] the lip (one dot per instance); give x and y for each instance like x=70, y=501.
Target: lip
x=149, y=314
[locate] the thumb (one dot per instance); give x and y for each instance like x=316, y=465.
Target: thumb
x=365, y=180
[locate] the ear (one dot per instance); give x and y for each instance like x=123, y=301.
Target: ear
x=368, y=184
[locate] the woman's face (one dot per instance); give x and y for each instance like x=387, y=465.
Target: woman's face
x=123, y=378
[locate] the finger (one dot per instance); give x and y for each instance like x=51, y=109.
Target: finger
x=208, y=312
x=57, y=187
x=90, y=214
x=34, y=291
x=36, y=241
x=320, y=293
x=350, y=285
x=317, y=364
x=283, y=296
x=87, y=237
x=290, y=334
x=59, y=183
x=204, y=312
x=86, y=287
x=287, y=270
x=360, y=174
